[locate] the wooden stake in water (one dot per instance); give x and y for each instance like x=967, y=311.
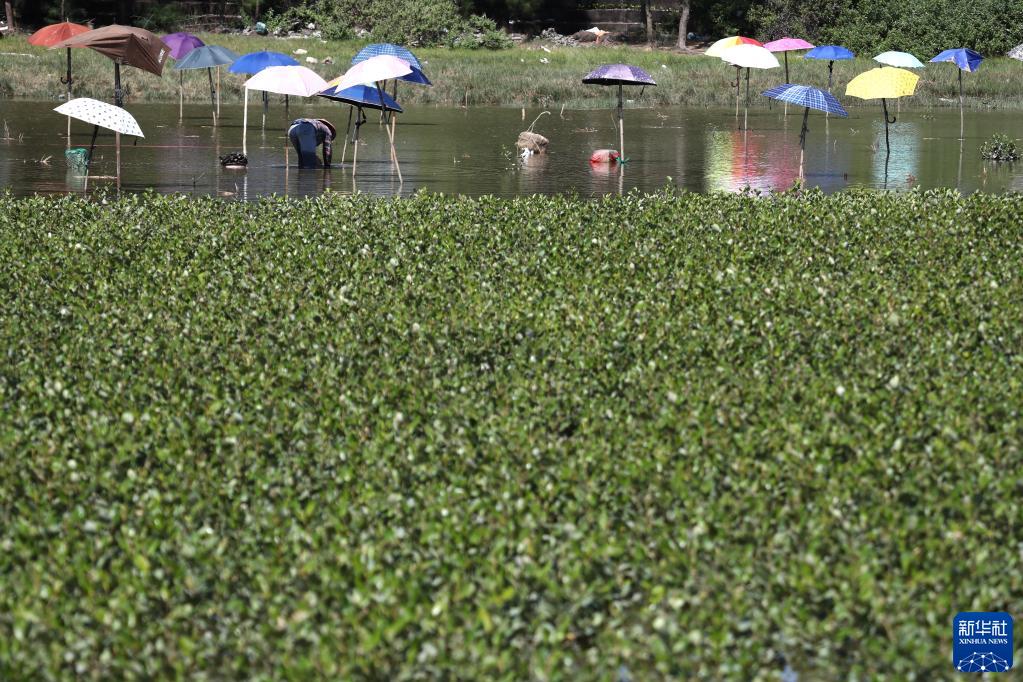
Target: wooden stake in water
x=621, y=124
x=802, y=141
x=961, y=104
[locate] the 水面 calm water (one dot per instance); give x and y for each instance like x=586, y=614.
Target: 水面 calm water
x=472, y=151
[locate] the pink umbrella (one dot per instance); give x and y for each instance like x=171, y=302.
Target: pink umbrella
x=282, y=80
x=787, y=45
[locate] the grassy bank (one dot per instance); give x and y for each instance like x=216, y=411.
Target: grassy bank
x=695, y=436
x=514, y=76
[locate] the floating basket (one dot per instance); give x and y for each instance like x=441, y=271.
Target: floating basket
x=77, y=158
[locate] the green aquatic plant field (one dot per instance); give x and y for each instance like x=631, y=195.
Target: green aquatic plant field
x=661, y=437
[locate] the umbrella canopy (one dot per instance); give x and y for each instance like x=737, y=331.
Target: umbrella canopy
x=618, y=74
x=377, y=49
x=101, y=114
x=287, y=80
x=373, y=70
x=1016, y=53
x=750, y=57
x=966, y=59
x=206, y=57
x=806, y=96
x=831, y=53
x=902, y=60
x=788, y=44
x=254, y=62
x=885, y=82
x=181, y=44
x=56, y=33
x=365, y=96
x=720, y=46
x=125, y=45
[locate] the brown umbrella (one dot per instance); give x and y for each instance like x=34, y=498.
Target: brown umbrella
x=124, y=45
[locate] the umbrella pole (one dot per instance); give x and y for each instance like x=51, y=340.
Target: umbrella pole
x=786, y=78
x=213, y=95
x=266, y=107
x=181, y=95
x=960, y=104
x=117, y=137
x=68, y=96
x=738, y=82
x=831, y=68
x=802, y=141
x=621, y=127
x=390, y=135
x=887, y=144
x=118, y=93
x=218, y=92
x=745, y=109
x=245, y=122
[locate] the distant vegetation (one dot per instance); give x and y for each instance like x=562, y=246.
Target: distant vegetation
x=923, y=27
x=697, y=436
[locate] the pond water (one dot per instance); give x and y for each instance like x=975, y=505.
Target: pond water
x=471, y=151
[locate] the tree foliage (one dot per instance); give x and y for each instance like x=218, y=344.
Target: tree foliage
x=923, y=27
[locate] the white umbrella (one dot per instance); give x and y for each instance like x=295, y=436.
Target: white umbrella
x=282, y=80
x=374, y=70
x=101, y=115
x=749, y=57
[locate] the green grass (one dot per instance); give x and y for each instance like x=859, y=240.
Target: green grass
x=542, y=438
x=514, y=77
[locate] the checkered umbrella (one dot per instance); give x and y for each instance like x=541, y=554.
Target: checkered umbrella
x=808, y=98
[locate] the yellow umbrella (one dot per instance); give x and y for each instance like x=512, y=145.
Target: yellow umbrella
x=884, y=84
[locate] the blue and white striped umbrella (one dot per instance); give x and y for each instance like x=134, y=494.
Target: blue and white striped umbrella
x=805, y=96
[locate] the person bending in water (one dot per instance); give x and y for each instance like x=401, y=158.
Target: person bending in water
x=306, y=134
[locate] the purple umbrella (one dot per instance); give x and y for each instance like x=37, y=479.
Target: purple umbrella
x=181, y=44
x=619, y=74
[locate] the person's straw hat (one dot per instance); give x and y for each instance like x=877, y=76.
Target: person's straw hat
x=333, y=130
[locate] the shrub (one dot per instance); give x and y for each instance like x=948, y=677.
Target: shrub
x=416, y=23
x=999, y=148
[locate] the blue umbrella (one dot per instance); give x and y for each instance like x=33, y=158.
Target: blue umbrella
x=254, y=62
x=391, y=49
x=809, y=98
x=360, y=97
x=831, y=53
x=207, y=57
x=967, y=60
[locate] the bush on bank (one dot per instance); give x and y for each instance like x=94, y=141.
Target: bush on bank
x=344, y=437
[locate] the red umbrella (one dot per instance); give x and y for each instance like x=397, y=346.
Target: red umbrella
x=52, y=35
